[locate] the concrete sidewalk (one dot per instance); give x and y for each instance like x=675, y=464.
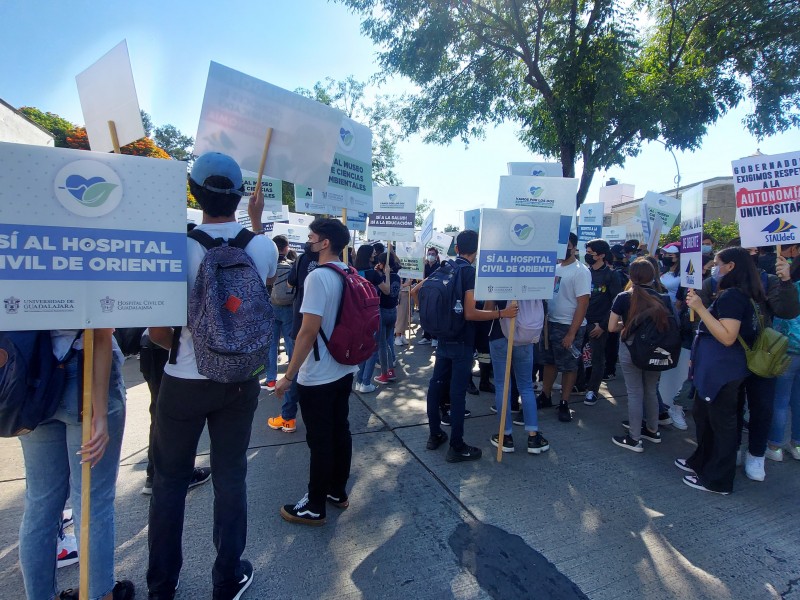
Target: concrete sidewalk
x=586, y=519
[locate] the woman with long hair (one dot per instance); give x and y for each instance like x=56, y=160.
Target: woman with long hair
x=631, y=308
x=719, y=367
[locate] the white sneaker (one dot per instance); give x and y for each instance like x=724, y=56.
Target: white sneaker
x=754, y=467
x=404, y=339
x=66, y=550
x=776, y=455
x=398, y=340
x=434, y=343
x=423, y=342
x=367, y=388
x=795, y=452
x=678, y=417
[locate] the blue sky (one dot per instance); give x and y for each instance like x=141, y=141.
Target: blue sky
x=290, y=44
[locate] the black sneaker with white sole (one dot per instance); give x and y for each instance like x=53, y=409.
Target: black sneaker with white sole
x=338, y=500
x=241, y=586
x=303, y=513
x=627, y=442
x=537, y=444
x=651, y=436
x=508, y=442
x=465, y=453
x=564, y=413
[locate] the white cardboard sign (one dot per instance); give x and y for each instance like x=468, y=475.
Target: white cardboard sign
x=237, y=111
x=591, y=214
x=427, y=227
x=296, y=234
x=535, y=169
x=692, y=238
x=664, y=208
x=394, y=214
x=91, y=239
x=108, y=93
x=410, y=255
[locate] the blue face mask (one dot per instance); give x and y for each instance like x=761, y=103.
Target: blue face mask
x=707, y=249
x=716, y=275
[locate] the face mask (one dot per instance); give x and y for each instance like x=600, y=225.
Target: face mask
x=309, y=250
x=716, y=275
x=707, y=249
x=589, y=258
x=431, y=258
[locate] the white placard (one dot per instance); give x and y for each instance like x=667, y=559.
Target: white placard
x=296, y=234
x=615, y=235
x=410, y=255
x=300, y=219
x=516, y=254
x=350, y=179
x=591, y=214
x=108, y=93
x=768, y=199
x=90, y=239
x=665, y=208
x=440, y=241
x=304, y=200
x=427, y=227
x=394, y=214
x=238, y=110
x=472, y=219
x=535, y=169
x=542, y=193
x=692, y=238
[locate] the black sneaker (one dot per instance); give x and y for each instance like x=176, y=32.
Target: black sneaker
x=537, y=444
x=435, y=441
x=610, y=377
x=543, y=401
x=651, y=436
x=123, y=590
x=446, y=418
x=508, y=442
x=471, y=389
x=147, y=488
x=200, y=476
x=627, y=442
x=466, y=453
x=664, y=418
x=303, y=513
x=338, y=500
x=486, y=386
x=519, y=418
x=564, y=413
x=245, y=581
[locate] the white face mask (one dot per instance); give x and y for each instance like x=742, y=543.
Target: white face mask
x=431, y=258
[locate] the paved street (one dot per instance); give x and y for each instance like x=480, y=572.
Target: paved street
x=584, y=520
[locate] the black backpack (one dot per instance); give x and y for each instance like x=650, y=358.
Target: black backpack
x=441, y=302
x=31, y=380
x=654, y=350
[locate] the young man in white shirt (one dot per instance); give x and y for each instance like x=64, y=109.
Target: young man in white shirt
x=188, y=401
x=323, y=385
x=566, y=321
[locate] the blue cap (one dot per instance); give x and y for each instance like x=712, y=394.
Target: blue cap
x=213, y=164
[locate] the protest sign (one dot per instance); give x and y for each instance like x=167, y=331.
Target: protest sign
x=654, y=238
x=108, y=93
x=350, y=179
x=271, y=189
x=300, y=219
x=82, y=246
x=591, y=214
x=516, y=254
x=440, y=241
x=304, y=200
x=472, y=219
x=542, y=193
x=535, y=169
x=768, y=199
x=587, y=233
x=659, y=206
x=412, y=263
x=357, y=220
x=427, y=228
x=239, y=109
x=297, y=235
x=395, y=211
x=194, y=215
x=615, y=235
x=692, y=238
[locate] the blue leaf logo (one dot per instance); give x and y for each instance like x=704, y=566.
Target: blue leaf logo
x=522, y=230
x=536, y=191
x=89, y=192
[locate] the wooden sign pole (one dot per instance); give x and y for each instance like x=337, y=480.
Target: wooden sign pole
x=506, y=383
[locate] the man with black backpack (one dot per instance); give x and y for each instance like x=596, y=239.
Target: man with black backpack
x=447, y=310
x=331, y=320
x=201, y=386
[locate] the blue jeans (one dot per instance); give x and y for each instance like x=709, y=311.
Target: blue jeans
x=281, y=326
x=366, y=369
x=457, y=358
x=386, y=338
x=787, y=395
x=522, y=361
x=52, y=471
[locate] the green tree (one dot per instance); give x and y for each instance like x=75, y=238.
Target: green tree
x=451, y=229
x=173, y=142
x=287, y=194
x=59, y=127
x=147, y=123
x=721, y=232
x=349, y=96
x=588, y=81
x=424, y=206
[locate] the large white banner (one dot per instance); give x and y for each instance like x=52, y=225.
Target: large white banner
x=394, y=214
x=661, y=207
x=535, y=169
x=296, y=234
x=541, y=193
x=350, y=178
x=692, y=238
x=591, y=214
x=615, y=235
x=90, y=239
x=238, y=110
x=768, y=199
x=108, y=93
x=516, y=254
x=410, y=255
x=440, y=241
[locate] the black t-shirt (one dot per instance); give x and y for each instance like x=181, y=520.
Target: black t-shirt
x=622, y=303
x=733, y=303
x=391, y=299
x=297, y=276
x=467, y=274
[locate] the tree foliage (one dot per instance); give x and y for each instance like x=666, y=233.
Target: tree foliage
x=349, y=96
x=59, y=127
x=424, y=206
x=173, y=142
x=589, y=80
x=721, y=232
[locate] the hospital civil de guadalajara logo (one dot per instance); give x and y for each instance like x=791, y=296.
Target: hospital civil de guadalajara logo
x=536, y=191
x=88, y=188
x=347, y=138
x=522, y=230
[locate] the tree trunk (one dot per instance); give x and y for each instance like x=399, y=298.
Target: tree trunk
x=567, y=160
x=586, y=180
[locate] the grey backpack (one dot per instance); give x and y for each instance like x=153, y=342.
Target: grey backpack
x=230, y=314
x=282, y=293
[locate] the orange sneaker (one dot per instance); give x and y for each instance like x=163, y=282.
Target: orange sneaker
x=287, y=425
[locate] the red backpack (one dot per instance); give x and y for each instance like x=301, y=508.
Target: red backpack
x=353, y=339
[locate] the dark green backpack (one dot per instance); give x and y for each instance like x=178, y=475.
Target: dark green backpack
x=768, y=356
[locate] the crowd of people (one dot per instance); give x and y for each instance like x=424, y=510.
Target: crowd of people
x=581, y=334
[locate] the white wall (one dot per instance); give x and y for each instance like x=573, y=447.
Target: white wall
x=17, y=129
